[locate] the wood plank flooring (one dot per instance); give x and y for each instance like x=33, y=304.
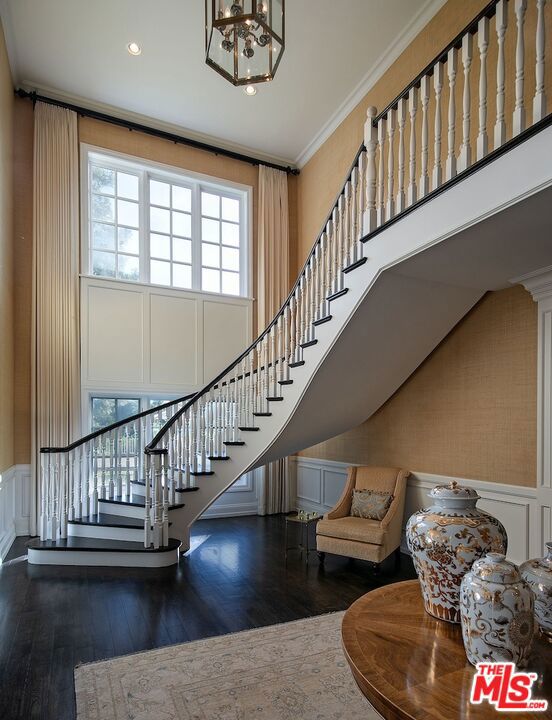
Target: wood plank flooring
x=235, y=578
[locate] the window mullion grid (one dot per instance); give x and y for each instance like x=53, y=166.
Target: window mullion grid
x=144, y=235
x=196, y=237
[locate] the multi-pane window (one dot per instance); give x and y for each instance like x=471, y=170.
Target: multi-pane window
x=220, y=243
x=106, y=411
x=148, y=225
x=115, y=223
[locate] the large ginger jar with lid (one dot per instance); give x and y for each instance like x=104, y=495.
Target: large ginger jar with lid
x=538, y=575
x=497, y=612
x=445, y=540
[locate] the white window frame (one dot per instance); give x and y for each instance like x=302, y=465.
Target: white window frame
x=167, y=173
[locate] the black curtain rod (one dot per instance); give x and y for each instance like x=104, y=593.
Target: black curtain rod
x=171, y=137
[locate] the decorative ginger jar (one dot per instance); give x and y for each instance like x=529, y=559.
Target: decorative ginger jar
x=497, y=608
x=445, y=540
x=538, y=575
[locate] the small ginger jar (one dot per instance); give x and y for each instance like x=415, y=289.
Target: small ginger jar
x=496, y=608
x=538, y=575
x=445, y=540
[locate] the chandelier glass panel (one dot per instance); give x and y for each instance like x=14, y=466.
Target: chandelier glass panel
x=245, y=39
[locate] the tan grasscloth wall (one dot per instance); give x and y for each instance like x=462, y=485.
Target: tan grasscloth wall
x=6, y=261
x=118, y=139
x=470, y=410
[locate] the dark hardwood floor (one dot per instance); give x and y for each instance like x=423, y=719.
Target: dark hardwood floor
x=235, y=578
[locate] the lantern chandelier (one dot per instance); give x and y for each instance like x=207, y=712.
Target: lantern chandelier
x=244, y=39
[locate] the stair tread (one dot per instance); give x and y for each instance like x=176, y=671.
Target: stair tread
x=142, y=483
x=233, y=443
x=322, y=320
x=137, y=501
x=107, y=520
x=100, y=545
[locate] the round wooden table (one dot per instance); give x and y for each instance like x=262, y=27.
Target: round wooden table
x=410, y=665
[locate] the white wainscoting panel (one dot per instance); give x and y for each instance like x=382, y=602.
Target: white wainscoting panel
x=15, y=485
x=139, y=338
x=176, y=317
x=320, y=483
x=226, y=334
x=115, y=337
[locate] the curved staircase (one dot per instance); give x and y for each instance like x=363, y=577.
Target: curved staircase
x=396, y=266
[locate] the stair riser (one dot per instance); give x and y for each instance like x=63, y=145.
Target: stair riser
x=106, y=532
x=103, y=559
x=129, y=511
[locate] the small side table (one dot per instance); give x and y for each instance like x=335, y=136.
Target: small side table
x=304, y=525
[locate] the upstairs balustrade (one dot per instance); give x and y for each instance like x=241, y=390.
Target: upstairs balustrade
x=449, y=121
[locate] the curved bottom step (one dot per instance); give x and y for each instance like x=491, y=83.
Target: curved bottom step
x=101, y=553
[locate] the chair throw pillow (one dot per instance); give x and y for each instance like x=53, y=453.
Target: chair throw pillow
x=370, y=504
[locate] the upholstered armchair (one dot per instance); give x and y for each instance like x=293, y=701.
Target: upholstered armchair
x=358, y=537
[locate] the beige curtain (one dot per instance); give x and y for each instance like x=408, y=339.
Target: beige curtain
x=274, y=489
x=55, y=392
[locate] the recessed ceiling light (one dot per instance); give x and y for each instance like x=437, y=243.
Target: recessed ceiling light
x=134, y=49
x=250, y=90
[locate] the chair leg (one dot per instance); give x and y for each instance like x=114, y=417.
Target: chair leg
x=321, y=557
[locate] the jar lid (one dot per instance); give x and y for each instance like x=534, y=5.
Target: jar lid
x=495, y=568
x=453, y=491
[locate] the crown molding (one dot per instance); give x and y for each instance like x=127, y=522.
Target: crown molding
x=130, y=116
x=382, y=64
x=538, y=283
x=7, y=25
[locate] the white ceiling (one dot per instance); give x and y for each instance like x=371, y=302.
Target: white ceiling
x=335, y=49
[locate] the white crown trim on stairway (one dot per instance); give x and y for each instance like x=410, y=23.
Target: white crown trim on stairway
x=15, y=488
x=320, y=482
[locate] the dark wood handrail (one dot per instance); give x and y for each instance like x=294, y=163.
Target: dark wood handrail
x=114, y=426
x=471, y=27
x=269, y=327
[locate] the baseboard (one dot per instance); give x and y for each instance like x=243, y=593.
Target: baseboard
x=15, y=489
x=230, y=510
x=320, y=483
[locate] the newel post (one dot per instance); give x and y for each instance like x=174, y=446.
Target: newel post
x=371, y=143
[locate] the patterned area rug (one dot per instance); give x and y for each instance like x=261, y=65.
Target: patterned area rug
x=293, y=671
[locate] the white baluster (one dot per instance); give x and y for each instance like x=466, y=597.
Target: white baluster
x=483, y=45
x=401, y=120
x=464, y=159
x=518, y=124
x=334, y=241
x=539, y=101
x=423, y=184
x=84, y=480
x=370, y=221
x=361, y=202
x=95, y=477
x=452, y=68
x=73, y=485
x=165, y=490
x=356, y=245
x=438, y=89
x=157, y=512
x=346, y=220
x=380, y=213
x=412, y=194
x=390, y=208
x=45, y=469
x=312, y=294
x=317, y=297
x=147, y=501
x=501, y=25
